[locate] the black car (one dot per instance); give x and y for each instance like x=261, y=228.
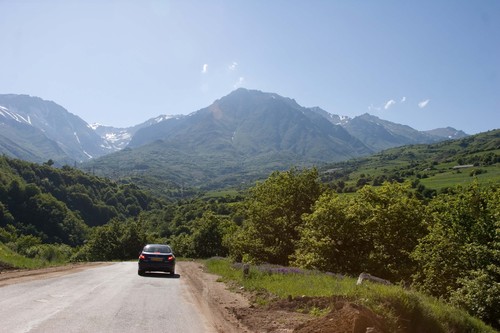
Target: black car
x=157, y=258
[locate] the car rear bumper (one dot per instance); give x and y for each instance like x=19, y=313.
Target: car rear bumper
x=157, y=266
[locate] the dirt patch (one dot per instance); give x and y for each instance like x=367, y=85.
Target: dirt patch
x=217, y=302
x=345, y=317
x=233, y=310
x=297, y=315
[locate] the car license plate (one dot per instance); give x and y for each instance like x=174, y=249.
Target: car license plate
x=156, y=259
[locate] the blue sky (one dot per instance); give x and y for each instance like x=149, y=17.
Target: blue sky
x=425, y=64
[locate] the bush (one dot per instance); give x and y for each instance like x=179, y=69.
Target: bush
x=480, y=296
x=24, y=242
x=50, y=252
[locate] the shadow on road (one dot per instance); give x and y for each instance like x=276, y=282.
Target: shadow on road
x=161, y=275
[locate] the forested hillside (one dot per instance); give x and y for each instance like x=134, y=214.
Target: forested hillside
x=60, y=205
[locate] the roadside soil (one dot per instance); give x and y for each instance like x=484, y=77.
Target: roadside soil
x=234, y=310
x=231, y=309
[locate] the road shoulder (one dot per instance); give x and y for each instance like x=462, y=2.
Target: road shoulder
x=8, y=277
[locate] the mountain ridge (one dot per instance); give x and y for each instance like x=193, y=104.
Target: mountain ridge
x=247, y=129
x=246, y=135
x=73, y=137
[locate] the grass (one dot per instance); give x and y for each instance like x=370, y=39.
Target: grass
x=391, y=302
x=431, y=164
x=451, y=178
x=11, y=259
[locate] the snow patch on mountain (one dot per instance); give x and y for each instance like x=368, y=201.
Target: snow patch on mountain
x=94, y=126
x=13, y=115
x=88, y=155
x=162, y=117
x=114, y=137
x=119, y=138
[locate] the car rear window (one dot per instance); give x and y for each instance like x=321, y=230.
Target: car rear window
x=157, y=248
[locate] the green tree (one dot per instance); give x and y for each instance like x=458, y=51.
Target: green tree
x=393, y=222
x=332, y=238
x=132, y=240
x=462, y=237
x=54, y=220
x=208, y=235
x=5, y=216
x=374, y=231
x=103, y=243
x=274, y=210
x=459, y=259
x=182, y=245
x=116, y=240
x=479, y=294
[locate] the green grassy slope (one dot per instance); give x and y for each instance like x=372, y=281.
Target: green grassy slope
x=398, y=307
x=12, y=260
x=435, y=166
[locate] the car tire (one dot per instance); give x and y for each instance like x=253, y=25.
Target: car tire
x=140, y=272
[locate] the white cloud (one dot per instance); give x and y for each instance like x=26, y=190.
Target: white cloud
x=205, y=68
x=374, y=108
x=233, y=66
x=240, y=82
x=389, y=104
x=423, y=104
x=403, y=99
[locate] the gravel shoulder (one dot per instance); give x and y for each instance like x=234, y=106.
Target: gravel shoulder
x=22, y=275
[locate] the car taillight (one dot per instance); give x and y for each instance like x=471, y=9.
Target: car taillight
x=142, y=257
x=170, y=258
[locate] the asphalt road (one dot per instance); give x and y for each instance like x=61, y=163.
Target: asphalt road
x=110, y=298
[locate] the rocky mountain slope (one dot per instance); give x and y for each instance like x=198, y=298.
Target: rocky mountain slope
x=246, y=131
x=37, y=130
x=248, y=134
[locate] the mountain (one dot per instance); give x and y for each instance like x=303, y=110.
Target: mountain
x=246, y=135
x=21, y=140
x=251, y=123
x=119, y=138
x=240, y=137
x=39, y=130
x=379, y=134
x=333, y=118
x=447, y=133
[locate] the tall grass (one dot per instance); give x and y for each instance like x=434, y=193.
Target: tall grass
x=390, y=302
x=11, y=259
